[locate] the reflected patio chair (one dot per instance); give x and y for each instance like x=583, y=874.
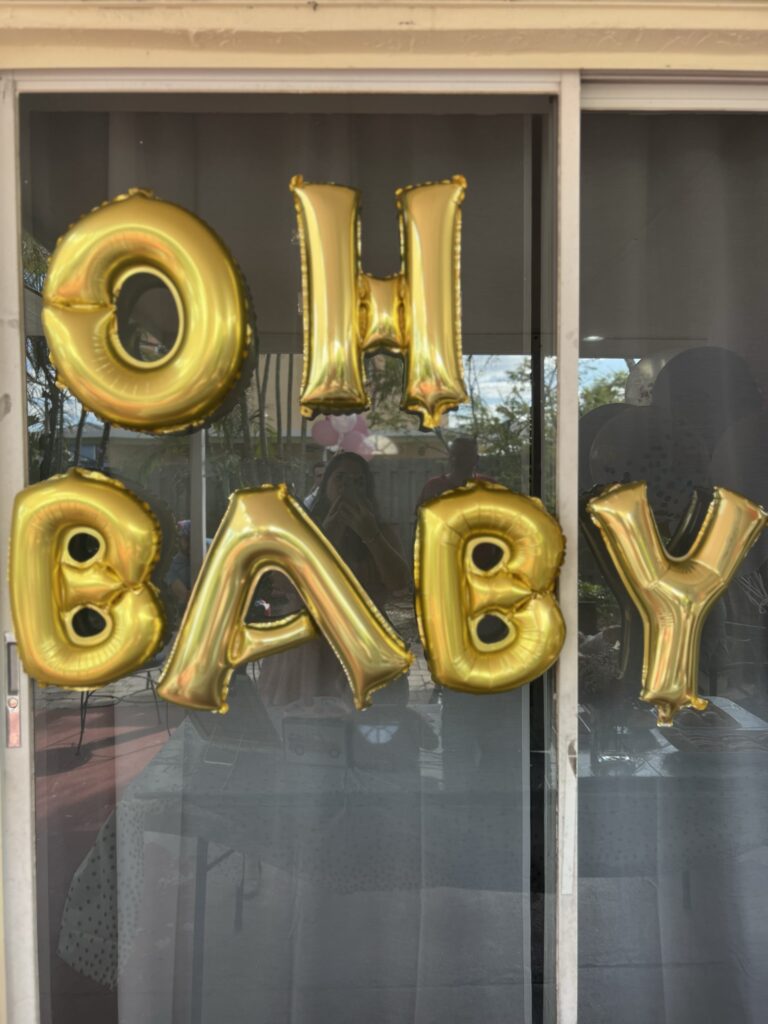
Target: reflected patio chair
x=147, y=672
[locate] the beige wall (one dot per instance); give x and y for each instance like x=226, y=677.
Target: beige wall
x=422, y=34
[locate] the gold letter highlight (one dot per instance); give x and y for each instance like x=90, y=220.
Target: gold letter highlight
x=82, y=542
x=674, y=594
x=483, y=551
x=266, y=530
x=133, y=234
x=416, y=313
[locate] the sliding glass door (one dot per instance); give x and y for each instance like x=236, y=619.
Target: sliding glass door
x=298, y=860
x=673, y=823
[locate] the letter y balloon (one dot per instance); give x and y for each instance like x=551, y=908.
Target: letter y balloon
x=674, y=595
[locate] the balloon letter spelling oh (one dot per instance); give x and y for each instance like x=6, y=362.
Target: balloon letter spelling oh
x=674, y=594
x=484, y=552
x=416, y=313
x=266, y=530
x=133, y=234
x=82, y=542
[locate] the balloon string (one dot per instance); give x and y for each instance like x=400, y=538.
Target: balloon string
x=754, y=587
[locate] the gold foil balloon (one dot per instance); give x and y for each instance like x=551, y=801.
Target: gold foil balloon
x=134, y=234
x=82, y=543
x=459, y=584
x=416, y=313
x=674, y=594
x=266, y=530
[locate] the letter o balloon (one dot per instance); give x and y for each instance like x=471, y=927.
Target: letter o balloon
x=138, y=233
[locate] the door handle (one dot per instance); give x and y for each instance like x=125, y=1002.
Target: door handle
x=12, y=693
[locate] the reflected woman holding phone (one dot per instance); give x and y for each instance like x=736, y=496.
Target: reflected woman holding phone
x=347, y=513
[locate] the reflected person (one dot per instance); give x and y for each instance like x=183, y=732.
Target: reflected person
x=347, y=513
x=463, y=462
x=318, y=471
x=178, y=577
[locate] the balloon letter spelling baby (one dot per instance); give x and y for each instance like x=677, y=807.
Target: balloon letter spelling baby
x=483, y=552
x=83, y=544
x=266, y=530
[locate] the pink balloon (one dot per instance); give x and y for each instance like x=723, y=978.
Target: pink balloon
x=345, y=423
x=361, y=424
x=354, y=441
x=323, y=432
x=351, y=441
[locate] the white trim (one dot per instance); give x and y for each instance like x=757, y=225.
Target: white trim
x=525, y=701
x=266, y=80
x=567, y=449
x=18, y=818
x=675, y=94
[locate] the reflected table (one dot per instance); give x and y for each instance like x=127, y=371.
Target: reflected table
x=348, y=802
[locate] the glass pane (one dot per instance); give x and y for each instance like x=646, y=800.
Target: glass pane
x=673, y=825
x=297, y=859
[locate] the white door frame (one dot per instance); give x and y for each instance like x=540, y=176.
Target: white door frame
x=18, y=836
x=19, y=963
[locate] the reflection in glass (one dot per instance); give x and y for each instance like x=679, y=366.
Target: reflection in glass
x=673, y=825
